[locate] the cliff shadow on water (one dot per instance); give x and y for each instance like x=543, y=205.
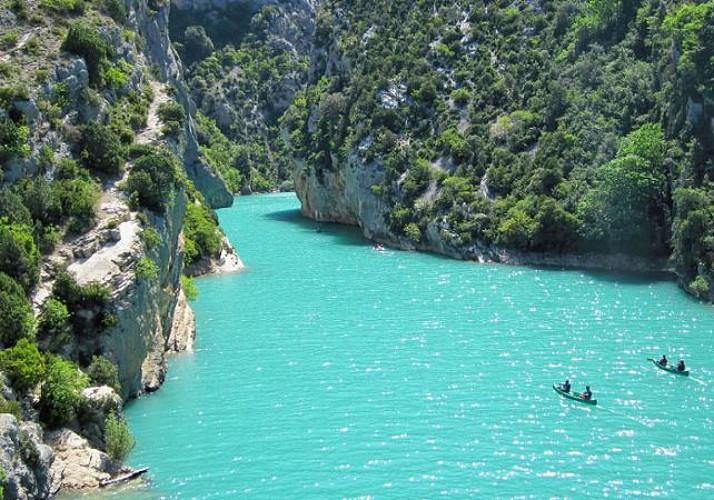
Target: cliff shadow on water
x=340, y=234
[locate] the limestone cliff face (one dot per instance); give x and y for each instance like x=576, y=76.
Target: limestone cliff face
x=346, y=196
x=154, y=27
x=150, y=315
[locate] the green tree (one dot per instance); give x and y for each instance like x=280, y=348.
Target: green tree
x=118, y=439
x=153, y=178
x=201, y=232
x=54, y=329
x=24, y=365
x=101, y=150
x=19, y=256
x=85, y=41
x=101, y=371
x=16, y=317
x=61, y=392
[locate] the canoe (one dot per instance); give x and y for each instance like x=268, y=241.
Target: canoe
x=670, y=369
x=575, y=396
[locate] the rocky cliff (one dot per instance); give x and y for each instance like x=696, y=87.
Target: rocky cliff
x=133, y=252
x=433, y=128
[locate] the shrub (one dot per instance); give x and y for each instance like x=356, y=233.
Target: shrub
x=54, y=327
x=153, y=178
x=13, y=139
x=116, y=10
x=19, y=256
x=173, y=117
x=12, y=407
x=117, y=438
x=100, y=149
x=203, y=238
x=189, y=287
x=101, y=371
x=146, y=269
x=63, y=6
x=61, y=392
x=84, y=40
x=413, y=232
x=171, y=111
x=93, y=297
x=699, y=287
x=24, y=365
x=150, y=238
x=114, y=77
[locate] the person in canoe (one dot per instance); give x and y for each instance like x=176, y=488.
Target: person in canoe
x=680, y=366
x=566, y=386
x=663, y=360
x=587, y=394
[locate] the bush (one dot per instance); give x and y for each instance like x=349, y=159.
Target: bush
x=12, y=407
x=153, y=178
x=146, y=269
x=54, y=327
x=173, y=117
x=150, y=237
x=117, y=438
x=16, y=318
x=13, y=139
x=101, y=150
x=171, y=111
x=24, y=365
x=63, y=6
x=93, y=297
x=101, y=371
x=189, y=287
x=116, y=10
x=202, y=236
x=79, y=199
x=61, y=392
x=84, y=40
x=19, y=256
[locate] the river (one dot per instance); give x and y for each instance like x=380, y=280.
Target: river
x=330, y=370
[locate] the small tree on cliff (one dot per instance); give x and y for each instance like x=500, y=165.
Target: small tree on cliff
x=118, y=439
x=61, y=392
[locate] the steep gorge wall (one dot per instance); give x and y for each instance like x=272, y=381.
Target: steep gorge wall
x=150, y=315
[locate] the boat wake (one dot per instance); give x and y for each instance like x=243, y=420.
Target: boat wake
x=640, y=420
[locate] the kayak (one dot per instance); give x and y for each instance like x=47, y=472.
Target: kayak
x=670, y=369
x=575, y=396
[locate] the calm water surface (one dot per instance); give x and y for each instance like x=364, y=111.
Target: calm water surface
x=330, y=370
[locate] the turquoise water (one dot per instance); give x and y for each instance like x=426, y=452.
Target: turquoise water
x=330, y=370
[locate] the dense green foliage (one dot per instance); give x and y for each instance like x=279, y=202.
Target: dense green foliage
x=203, y=238
x=100, y=149
x=154, y=176
x=16, y=318
x=173, y=117
x=24, y=364
x=580, y=126
x=84, y=40
x=54, y=329
x=61, y=392
x=118, y=438
x=19, y=256
x=93, y=299
x=13, y=138
x=101, y=371
x=237, y=69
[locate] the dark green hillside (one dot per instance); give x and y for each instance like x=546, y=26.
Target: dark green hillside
x=538, y=126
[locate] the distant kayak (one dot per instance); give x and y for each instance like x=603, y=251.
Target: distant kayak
x=575, y=396
x=670, y=369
